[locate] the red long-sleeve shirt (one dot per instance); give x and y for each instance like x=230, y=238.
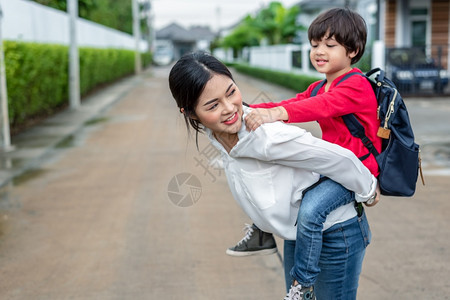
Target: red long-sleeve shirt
x=353, y=95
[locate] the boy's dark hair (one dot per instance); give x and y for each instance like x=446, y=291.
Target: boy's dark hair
x=347, y=27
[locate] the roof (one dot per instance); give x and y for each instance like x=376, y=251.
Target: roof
x=202, y=32
x=307, y=6
x=178, y=33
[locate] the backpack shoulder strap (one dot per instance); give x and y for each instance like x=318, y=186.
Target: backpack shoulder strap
x=357, y=130
x=350, y=75
x=322, y=83
x=352, y=123
x=317, y=88
x=355, y=127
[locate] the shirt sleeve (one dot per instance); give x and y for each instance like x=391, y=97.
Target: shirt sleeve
x=300, y=96
x=294, y=147
x=350, y=96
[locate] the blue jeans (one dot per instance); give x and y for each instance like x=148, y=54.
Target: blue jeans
x=317, y=203
x=340, y=261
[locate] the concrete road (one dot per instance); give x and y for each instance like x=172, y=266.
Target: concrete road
x=129, y=209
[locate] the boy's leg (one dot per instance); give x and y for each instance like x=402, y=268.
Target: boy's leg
x=255, y=242
x=316, y=204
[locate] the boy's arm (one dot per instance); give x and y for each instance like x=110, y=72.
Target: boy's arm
x=270, y=112
x=298, y=97
x=259, y=116
x=349, y=96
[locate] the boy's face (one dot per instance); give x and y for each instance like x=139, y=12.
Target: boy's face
x=330, y=58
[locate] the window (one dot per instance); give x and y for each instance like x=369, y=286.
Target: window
x=419, y=33
x=419, y=23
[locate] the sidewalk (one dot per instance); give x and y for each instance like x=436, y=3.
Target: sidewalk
x=36, y=144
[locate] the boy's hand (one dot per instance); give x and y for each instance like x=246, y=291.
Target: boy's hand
x=259, y=116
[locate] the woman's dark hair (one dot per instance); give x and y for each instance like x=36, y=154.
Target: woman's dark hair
x=347, y=27
x=187, y=81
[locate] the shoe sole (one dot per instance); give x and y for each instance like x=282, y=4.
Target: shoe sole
x=249, y=253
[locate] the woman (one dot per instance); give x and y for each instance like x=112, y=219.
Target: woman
x=269, y=169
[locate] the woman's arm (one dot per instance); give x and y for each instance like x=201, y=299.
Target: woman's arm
x=294, y=147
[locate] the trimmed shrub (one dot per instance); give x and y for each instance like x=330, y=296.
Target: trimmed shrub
x=37, y=76
x=296, y=82
x=146, y=58
x=99, y=66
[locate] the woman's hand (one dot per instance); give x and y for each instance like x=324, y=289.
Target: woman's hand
x=259, y=116
x=377, y=197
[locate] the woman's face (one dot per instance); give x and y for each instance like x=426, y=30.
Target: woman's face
x=219, y=106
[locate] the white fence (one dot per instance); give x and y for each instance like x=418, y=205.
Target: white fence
x=280, y=57
x=223, y=54
x=31, y=22
x=274, y=57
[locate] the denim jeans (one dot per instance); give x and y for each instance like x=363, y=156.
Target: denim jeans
x=316, y=204
x=340, y=261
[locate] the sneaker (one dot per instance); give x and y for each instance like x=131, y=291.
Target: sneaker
x=297, y=292
x=255, y=242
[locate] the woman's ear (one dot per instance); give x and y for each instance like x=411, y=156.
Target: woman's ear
x=187, y=115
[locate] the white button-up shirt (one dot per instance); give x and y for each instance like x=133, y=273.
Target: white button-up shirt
x=268, y=169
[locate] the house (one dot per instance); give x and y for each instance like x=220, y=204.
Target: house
x=407, y=38
x=398, y=23
x=182, y=40
x=417, y=23
x=415, y=34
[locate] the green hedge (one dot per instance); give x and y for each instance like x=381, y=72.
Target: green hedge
x=98, y=66
x=296, y=82
x=37, y=75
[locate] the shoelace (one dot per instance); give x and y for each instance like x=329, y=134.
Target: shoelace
x=248, y=233
x=294, y=293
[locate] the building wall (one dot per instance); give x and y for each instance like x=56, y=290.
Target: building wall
x=29, y=21
x=440, y=10
x=391, y=9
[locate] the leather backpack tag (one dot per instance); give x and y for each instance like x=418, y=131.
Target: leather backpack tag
x=383, y=133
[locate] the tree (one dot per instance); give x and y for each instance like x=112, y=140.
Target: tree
x=111, y=13
x=274, y=23
x=244, y=35
x=277, y=23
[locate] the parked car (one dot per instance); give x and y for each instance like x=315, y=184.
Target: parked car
x=162, y=56
x=411, y=71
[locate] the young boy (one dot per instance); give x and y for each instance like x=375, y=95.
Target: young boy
x=337, y=38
